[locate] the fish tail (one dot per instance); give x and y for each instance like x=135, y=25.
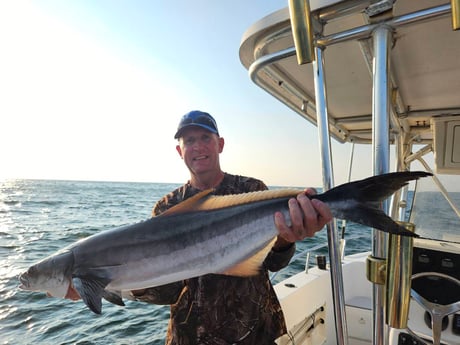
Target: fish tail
x=375, y=218
x=374, y=188
x=359, y=201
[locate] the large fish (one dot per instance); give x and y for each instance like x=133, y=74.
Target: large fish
x=229, y=234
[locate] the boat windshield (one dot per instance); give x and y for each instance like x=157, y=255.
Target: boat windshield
x=433, y=216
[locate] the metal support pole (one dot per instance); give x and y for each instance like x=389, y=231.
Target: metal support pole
x=381, y=157
x=326, y=160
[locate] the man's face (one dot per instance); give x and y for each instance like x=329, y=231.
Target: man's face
x=200, y=150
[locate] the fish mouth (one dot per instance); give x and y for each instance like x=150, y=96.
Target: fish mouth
x=24, y=281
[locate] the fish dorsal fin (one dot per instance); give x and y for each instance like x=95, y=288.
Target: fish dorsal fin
x=252, y=265
x=189, y=204
x=215, y=202
x=205, y=201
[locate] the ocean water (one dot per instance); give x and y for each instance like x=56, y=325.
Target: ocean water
x=39, y=217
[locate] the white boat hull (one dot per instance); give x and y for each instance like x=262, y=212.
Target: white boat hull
x=306, y=300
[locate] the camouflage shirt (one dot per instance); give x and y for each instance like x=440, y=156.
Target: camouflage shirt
x=219, y=309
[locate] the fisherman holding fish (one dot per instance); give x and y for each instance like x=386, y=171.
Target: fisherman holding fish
x=224, y=309
x=207, y=249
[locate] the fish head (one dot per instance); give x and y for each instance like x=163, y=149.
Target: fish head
x=51, y=275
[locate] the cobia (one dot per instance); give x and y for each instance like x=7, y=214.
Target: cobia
x=229, y=234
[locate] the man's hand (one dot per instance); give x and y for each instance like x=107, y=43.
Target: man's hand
x=307, y=217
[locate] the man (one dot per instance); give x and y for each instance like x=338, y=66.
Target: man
x=218, y=309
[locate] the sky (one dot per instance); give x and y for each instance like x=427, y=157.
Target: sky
x=94, y=90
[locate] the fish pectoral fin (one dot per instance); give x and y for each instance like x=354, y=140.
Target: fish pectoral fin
x=113, y=297
x=252, y=265
x=91, y=291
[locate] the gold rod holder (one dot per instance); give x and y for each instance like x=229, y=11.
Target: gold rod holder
x=455, y=7
x=398, y=282
x=376, y=270
x=302, y=31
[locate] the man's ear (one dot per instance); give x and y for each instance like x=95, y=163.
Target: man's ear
x=221, y=144
x=179, y=151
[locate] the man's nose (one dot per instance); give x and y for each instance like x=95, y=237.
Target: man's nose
x=198, y=144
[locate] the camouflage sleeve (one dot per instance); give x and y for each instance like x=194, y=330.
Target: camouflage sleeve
x=279, y=259
x=158, y=208
x=256, y=185
x=166, y=202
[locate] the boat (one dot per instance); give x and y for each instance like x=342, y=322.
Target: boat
x=385, y=74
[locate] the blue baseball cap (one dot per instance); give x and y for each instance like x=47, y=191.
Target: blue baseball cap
x=199, y=119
